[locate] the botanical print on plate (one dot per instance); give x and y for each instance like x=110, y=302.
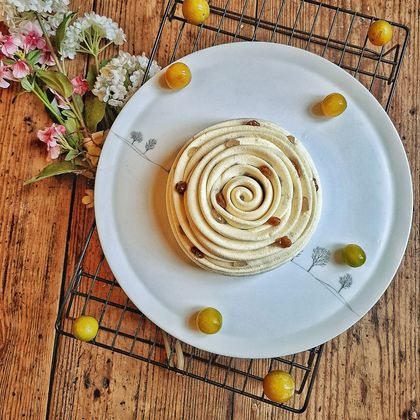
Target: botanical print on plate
x=141, y=148
x=321, y=257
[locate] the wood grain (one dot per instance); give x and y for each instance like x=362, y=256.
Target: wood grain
x=371, y=371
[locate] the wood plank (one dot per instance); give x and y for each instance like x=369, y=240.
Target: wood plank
x=370, y=371
x=31, y=256
x=135, y=388
x=33, y=237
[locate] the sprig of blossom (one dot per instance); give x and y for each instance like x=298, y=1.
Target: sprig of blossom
x=52, y=137
x=39, y=6
x=121, y=77
x=52, y=12
x=31, y=35
x=24, y=51
x=74, y=141
x=86, y=34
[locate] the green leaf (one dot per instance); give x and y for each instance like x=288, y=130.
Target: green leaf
x=56, y=168
x=104, y=62
x=91, y=77
x=68, y=114
x=61, y=30
x=111, y=114
x=71, y=125
x=57, y=81
x=26, y=84
x=71, y=155
x=73, y=136
x=77, y=99
x=94, y=112
x=33, y=57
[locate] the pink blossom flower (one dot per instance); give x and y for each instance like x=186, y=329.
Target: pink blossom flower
x=20, y=69
x=50, y=136
x=53, y=151
x=32, y=36
x=5, y=74
x=61, y=102
x=9, y=44
x=46, y=57
x=80, y=86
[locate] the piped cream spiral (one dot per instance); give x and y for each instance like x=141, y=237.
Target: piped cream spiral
x=243, y=197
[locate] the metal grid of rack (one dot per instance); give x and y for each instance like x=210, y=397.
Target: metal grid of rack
x=337, y=34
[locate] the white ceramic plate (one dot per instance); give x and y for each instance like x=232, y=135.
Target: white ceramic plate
x=366, y=190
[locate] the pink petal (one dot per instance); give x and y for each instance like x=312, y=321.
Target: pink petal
x=60, y=129
x=33, y=27
x=54, y=152
x=80, y=86
x=40, y=44
x=46, y=58
x=33, y=39
x=10, y=45
x=20, y=69
x=50, y=135
x=61, y=103
x=44, y=135
x=4, y=83
x=17, y=39
x=5, y=72
x=47, y=135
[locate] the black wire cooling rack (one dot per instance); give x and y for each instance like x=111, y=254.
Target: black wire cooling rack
x=337, y=34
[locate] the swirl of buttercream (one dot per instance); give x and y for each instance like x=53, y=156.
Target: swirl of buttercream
x=243, y=197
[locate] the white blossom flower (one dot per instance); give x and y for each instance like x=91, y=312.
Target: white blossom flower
x=121, y=77
x=52, y=22
x=14, y=13
x=70, y=43
x=39, y=6
x=86, y=33
x=7, y=12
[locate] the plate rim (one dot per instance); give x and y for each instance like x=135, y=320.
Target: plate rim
x=103, y=226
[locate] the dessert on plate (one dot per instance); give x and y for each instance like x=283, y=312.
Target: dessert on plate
x=243, y=197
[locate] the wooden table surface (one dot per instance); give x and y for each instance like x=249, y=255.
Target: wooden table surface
x=370, y=372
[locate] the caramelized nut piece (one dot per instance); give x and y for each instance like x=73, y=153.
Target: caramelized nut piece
x=239, y=264
x=232, y=143
x=266, y=171
x=316, y=185
x=283, y=242
x=218, y=217
x=191, y=151
x=305, y=204
x=254, y=123
x=273, y=221
x=181, y=187
x=292, y=139
x=297, y=167
x=221, y=200
x=197, y=253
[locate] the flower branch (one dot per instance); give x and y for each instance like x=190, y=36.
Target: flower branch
x=41, y=37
